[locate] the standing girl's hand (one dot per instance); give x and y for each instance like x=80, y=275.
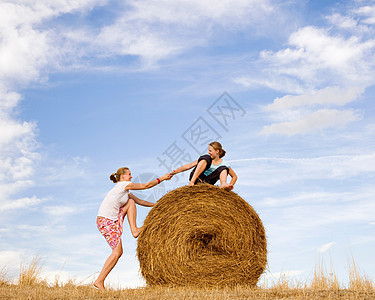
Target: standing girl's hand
x=166, y=176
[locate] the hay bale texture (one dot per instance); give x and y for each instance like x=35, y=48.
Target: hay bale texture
x=203, y=236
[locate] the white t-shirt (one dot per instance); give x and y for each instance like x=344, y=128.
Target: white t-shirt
x=116, y=198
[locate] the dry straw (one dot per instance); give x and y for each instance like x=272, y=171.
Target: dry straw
x=203, y=236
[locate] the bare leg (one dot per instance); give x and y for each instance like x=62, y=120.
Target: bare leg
x=131, y=211
x=108, y=266
x=223, y=181
x=201, y=166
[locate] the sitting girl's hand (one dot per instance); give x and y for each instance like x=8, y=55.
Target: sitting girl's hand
x=166, y=176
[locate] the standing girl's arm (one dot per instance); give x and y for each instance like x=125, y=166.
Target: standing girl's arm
x=140, y=201
x=150, y=184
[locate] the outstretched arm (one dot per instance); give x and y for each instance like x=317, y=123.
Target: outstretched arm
x=150, y=184
x=140, y=201
x=184, y=168
x=233, y=175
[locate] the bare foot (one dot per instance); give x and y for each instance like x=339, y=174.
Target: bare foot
x=99, y=285
x=227, y=187
x=136, y=232
x=191, y=183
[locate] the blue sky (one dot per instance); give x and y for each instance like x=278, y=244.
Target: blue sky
x=89, y=86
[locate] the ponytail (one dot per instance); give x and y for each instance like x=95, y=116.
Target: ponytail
x=115, y=177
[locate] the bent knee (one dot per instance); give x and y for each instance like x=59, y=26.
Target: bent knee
x=203, y=163
x=118, y=254
x=224, y=171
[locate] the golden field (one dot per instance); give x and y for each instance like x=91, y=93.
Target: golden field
x=30, y=285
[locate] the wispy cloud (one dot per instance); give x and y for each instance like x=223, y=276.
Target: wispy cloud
x=267, y=170
x=313, y=122
x=326, y=247
x=278, y=275
x=329, y=96
x=155, y=30
x=59, y=211
x=367, y=13
x=295, y=113
x=20, y=203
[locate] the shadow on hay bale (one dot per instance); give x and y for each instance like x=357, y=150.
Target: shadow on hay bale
x=203, y=236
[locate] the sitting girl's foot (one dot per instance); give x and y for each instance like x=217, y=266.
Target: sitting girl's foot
x=227, y=187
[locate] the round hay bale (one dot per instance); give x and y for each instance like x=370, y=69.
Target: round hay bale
x=202, y=235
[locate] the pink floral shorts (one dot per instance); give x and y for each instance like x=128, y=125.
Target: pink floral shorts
x=111, y=230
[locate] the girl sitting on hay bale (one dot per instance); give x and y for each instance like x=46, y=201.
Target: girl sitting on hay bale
x=118, y=203
x=210, y=168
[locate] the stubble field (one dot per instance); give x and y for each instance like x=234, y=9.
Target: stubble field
x=323, y=285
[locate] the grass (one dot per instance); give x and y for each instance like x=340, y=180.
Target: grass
x=324, y=285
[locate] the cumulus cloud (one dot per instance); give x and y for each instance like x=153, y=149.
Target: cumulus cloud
x=27, y=45
x=27, y=52
x=321, y=70
x=316, y=57
x=17, y=154
x=33, y=43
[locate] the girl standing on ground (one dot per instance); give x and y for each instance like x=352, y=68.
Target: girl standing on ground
x=210, y=168
x=118, y=203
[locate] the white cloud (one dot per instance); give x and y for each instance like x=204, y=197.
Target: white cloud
x=314, y=50
x=19, y=203
x=61, y=210
x=17, y=154
x=307, y=198
x=273, y=171
x=157, y=29
x=272, y=81
x=317, y=209
x=318, y=120
x=368, y=12
x=341, y=54
x=12, y=130
x=327, y=96
x=344, y=22
x=11, y=260
x=27, y=51
x=326, y=247
x=27, y=47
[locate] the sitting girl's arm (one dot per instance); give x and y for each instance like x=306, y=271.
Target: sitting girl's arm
x=184, y=168
x=233, y=175
x=140, y=201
